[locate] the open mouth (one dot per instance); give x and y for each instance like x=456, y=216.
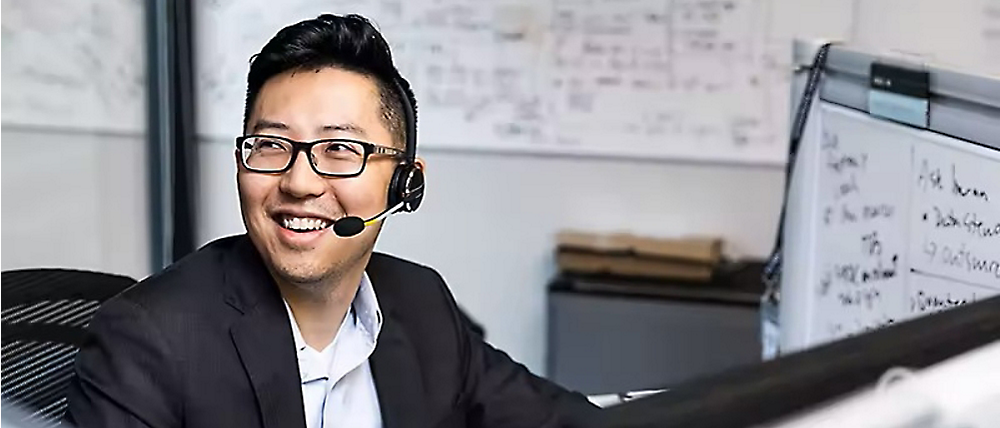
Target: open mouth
x=302, y=224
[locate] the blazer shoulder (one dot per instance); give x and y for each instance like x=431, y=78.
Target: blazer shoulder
x=187, y=282
x=401, y=284
x=392, y=270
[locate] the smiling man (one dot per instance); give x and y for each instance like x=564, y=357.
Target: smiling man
x=298, y=323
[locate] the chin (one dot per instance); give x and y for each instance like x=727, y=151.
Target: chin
x=304, y=267
x=302, y=274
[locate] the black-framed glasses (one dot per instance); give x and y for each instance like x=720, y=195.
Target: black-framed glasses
x=333, y=157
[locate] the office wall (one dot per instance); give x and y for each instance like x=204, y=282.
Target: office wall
x=74, y=200
x=73, y=170
x=488, y=221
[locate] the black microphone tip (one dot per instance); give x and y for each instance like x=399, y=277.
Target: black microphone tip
x=348, y=226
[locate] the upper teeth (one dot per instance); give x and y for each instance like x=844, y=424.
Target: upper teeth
x=304, y=223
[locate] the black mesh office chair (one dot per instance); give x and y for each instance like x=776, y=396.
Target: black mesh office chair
x=45, y=314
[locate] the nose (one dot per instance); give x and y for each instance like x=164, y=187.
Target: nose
x=300, y=181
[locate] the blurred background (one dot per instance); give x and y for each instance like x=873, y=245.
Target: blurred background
x=551, y=129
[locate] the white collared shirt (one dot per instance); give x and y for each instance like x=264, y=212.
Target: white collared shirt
x=337, y=385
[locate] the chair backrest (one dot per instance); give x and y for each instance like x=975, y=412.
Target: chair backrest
x=45, y=315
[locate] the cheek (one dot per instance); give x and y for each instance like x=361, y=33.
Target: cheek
x=362, y=196
x=253, y=190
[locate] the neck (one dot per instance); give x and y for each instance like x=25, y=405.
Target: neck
x=319, y=309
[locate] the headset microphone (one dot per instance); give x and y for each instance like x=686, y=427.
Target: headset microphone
x=346, y=227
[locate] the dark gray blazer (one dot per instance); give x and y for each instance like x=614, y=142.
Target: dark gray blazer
x=207, y=343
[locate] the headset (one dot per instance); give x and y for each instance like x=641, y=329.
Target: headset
x=407, y=184
x=406, y=188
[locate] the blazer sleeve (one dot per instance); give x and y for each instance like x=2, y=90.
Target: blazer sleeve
x=500, y=392
x=504, y=393
x=125, y=376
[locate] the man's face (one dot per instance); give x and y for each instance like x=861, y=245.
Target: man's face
x=307, y=105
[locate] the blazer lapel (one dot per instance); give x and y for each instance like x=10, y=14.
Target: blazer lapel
x=267, y=351
x=398, y=379
x=263, y=339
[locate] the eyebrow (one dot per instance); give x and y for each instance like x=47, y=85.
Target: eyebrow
x=263, y=124
x=267, y=124
x=345, y=127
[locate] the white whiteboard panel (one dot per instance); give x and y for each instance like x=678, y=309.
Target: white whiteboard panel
x=77, y=64
x=861, y=238
x=954, y=225
x=678, y=79
x=81, y=64
x=907, y=222
x=702, y=80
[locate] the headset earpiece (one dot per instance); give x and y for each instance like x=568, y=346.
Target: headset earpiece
x=407, y=185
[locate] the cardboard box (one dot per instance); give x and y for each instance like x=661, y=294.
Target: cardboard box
x=625, y=265
x=694, y=249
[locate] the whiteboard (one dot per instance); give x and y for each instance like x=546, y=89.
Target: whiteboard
x=703, y=80
x=899, y=222
x=75, y=65
x=84, y=68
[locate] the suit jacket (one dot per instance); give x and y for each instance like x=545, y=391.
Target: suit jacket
x=207, y=343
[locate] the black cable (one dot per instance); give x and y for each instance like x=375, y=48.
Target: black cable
x=772, y=270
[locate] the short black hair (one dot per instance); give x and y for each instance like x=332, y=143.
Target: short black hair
x=347, y=42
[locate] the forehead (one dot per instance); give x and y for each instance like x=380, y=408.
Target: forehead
x=310, y=99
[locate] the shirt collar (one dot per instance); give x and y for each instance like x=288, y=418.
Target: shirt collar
x=364, y=312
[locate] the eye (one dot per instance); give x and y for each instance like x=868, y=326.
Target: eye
x=268, y=144
x=341, y=149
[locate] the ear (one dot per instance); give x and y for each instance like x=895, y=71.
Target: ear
x=236, y=158
x=419, y=161
x=239, y=167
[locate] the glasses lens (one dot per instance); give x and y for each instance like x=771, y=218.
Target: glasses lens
x=339, y=157
x=265, y=153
